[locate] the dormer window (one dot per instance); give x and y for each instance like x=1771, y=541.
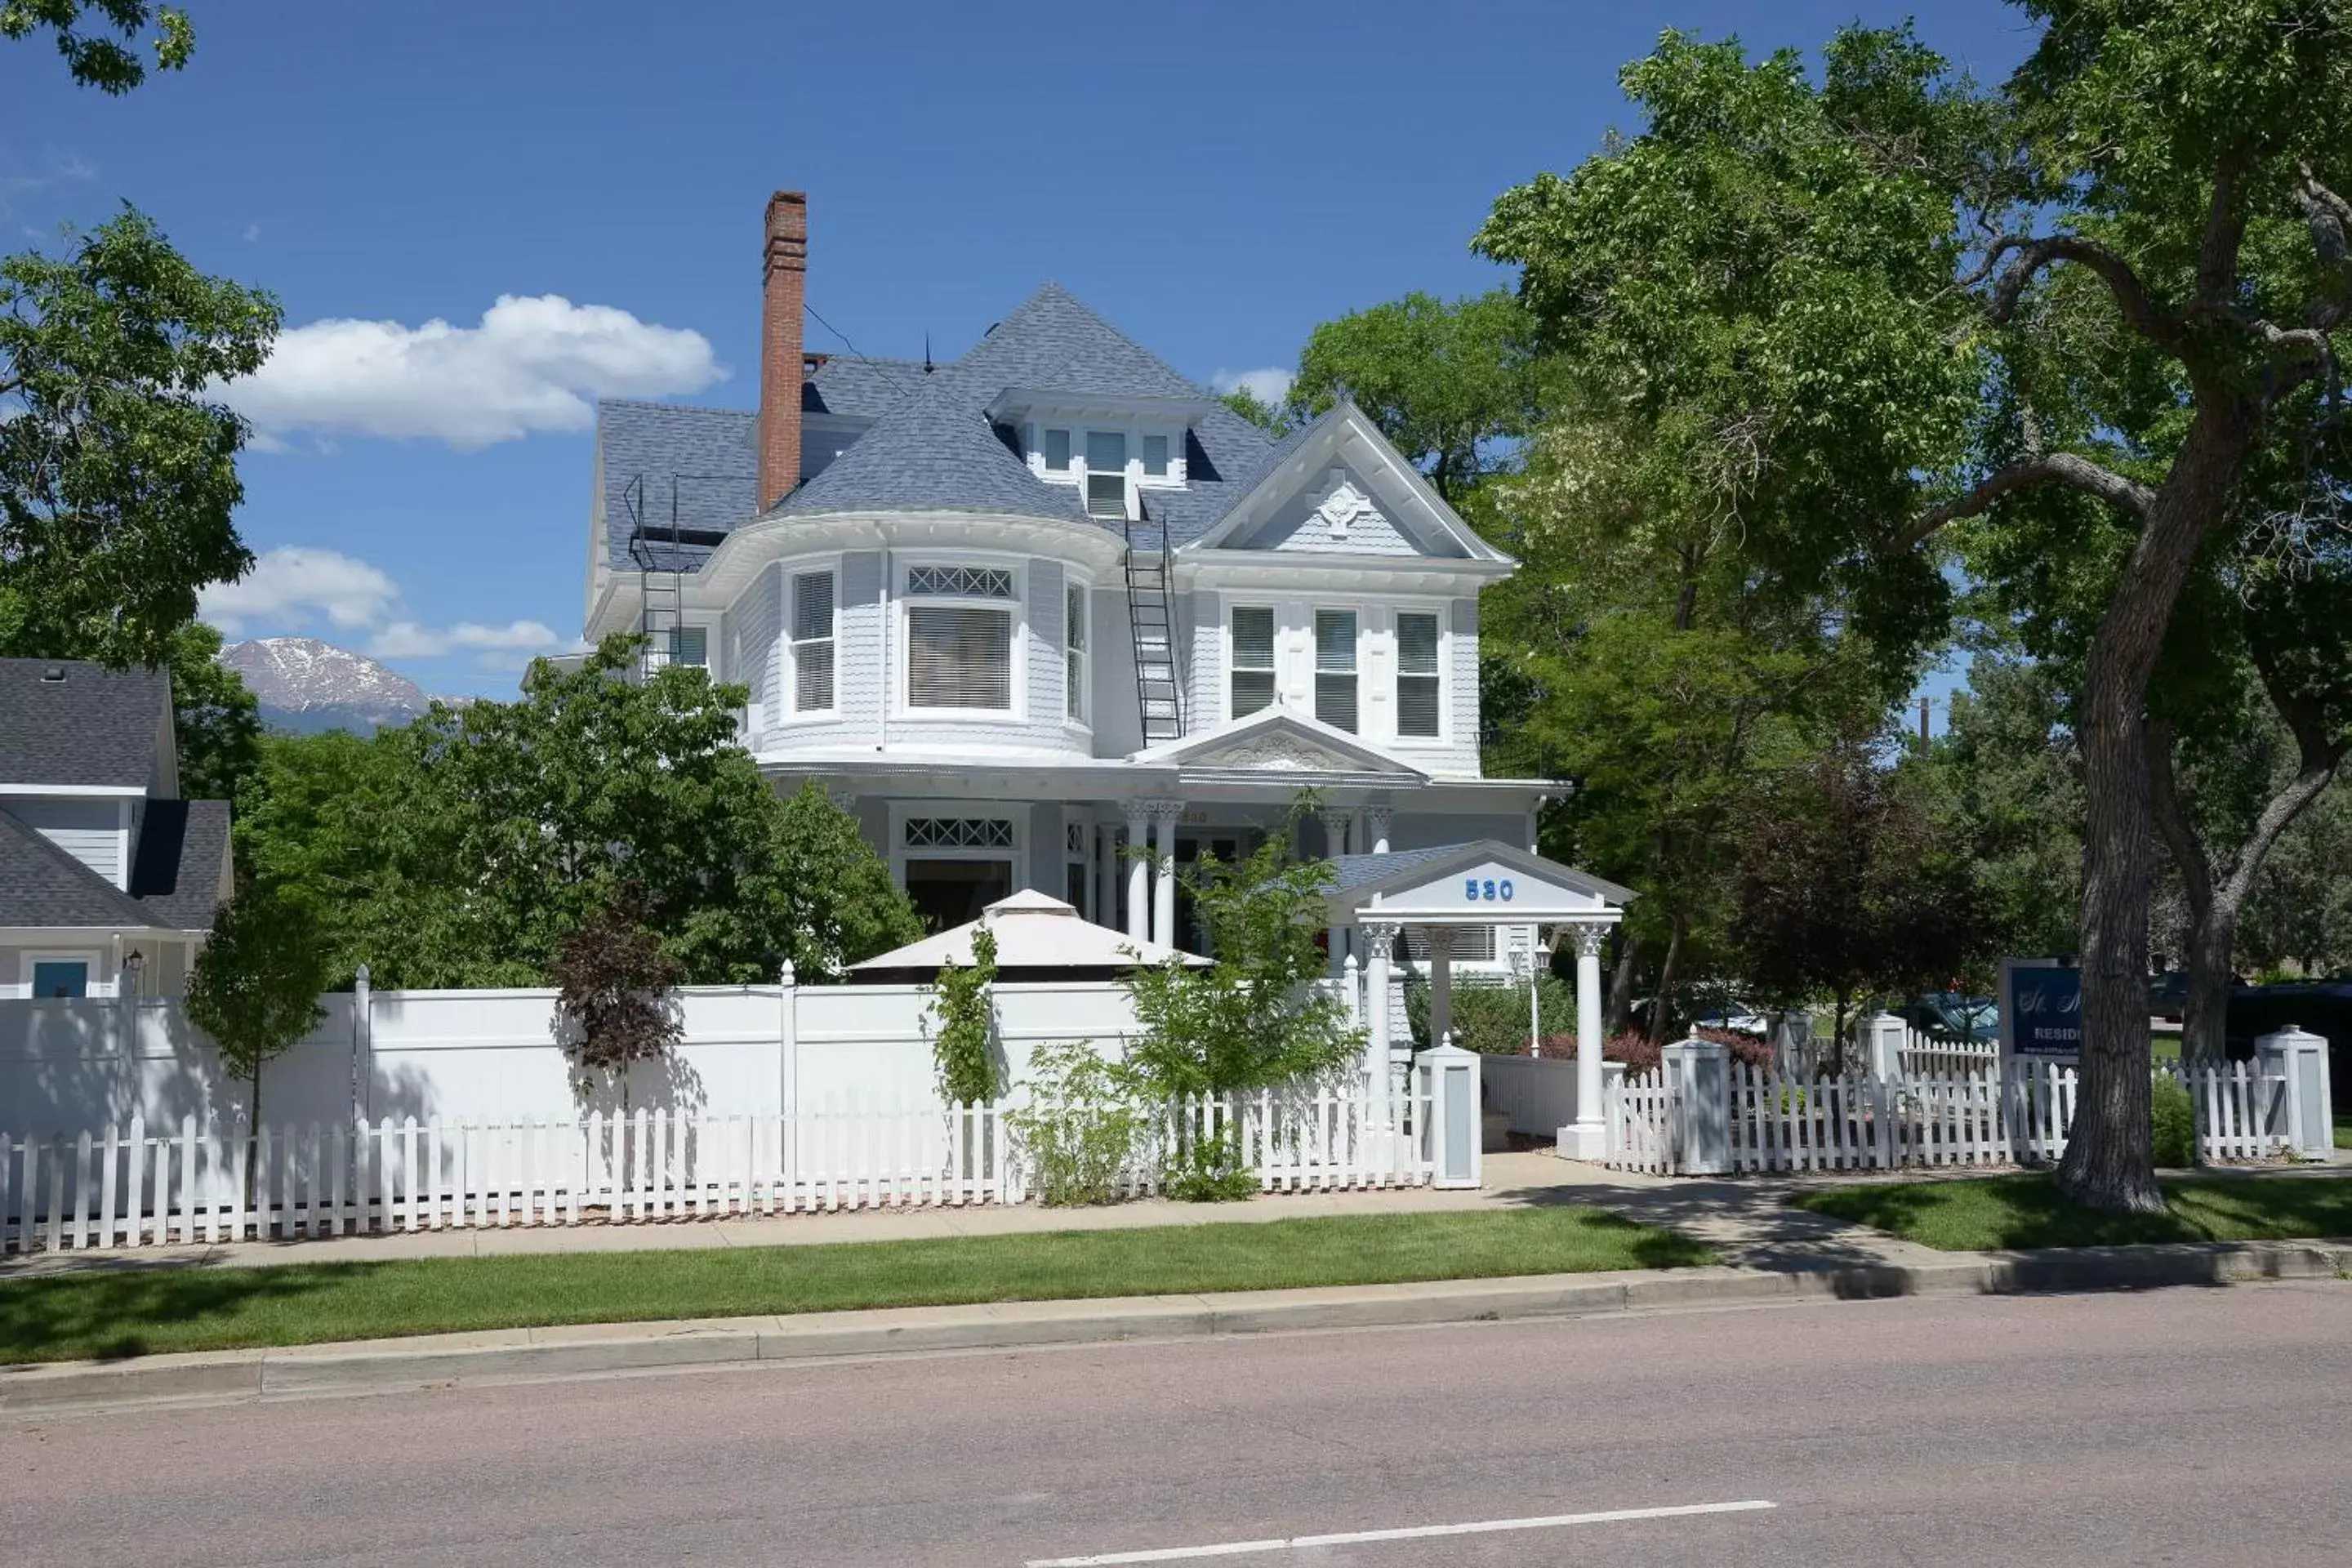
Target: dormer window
x=1155, y=455
x=1106, y=473
x=1057, y=451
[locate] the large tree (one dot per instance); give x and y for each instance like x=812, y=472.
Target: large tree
x=1884, y=244
x=1443, y=380
x=99, y=39
x=118, y=463
x=466, y=847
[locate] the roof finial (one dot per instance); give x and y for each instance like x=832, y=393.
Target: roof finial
x=927, y=353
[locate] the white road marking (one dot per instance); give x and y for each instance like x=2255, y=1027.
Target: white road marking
x=1409, y=1532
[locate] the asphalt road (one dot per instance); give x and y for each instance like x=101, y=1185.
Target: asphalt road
x=2189, y=1426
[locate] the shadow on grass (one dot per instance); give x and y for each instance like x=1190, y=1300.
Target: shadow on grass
x=2016, y=1212
x=108, y=1314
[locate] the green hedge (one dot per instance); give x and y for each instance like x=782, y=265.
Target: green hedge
x=1491, y=1016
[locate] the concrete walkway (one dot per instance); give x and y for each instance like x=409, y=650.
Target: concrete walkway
x=1745, y=1220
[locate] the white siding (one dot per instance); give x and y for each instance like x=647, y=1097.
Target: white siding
x=1205, y=708
x=90, y=830
x=1048, y=693
x=757, y=619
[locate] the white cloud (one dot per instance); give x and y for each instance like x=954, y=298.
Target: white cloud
x=532, y=365
x=407, y=639
x=294, y=585
x=297, y=588
x=252, y=233
x=1270, y=384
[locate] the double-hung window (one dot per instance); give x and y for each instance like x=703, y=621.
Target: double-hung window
x=812, y=642
x=1074, y=655
x=691, y=646
x=1252, y=658
x=1155, y=455
x=960, y=636
x=1057, y=451
x=1335, y=668
x=1418, y=714
x=1106, y=473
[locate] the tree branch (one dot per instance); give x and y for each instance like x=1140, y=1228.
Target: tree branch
x=2131, y=296
x=2217, y=257
x=2173, y=821
x=2050, y=468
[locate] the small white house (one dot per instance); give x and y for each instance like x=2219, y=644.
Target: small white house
x=108, y=879
x=1025, y=609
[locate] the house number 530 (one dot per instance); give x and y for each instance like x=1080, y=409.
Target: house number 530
x=1491, y=890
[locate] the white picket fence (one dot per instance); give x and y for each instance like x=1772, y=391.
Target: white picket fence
x=138, y=1186
x=1807, y=1122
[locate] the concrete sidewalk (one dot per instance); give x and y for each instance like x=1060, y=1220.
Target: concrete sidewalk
x=1744, y=1220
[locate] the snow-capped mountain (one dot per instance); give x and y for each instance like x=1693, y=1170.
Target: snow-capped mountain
x=306, y=685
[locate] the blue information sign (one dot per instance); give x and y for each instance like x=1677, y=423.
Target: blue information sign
x=2041, y=1011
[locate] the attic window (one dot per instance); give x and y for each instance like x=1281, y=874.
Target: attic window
x=1057, y=451
x=1106, y=473
x=55, y=672
x=1155, y=455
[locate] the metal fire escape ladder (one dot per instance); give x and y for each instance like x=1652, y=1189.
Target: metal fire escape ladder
x=661, y=604
x=1158, y=681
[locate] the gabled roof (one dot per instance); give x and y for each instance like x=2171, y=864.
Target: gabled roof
x=663, y=462
x=64, y=722
x=176, y=874
x=1362, y=881
x=1277, y=740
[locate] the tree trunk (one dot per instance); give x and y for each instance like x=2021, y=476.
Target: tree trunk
x=1658, y=1003
x=253, y=1145
x=2108, y=1160
x=1837, y=1036
x=1621, y=986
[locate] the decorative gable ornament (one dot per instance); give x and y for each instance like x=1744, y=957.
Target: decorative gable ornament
x=1343, y=506
x=1281, y=754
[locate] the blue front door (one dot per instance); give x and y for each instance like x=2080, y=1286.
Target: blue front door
x=60, y=977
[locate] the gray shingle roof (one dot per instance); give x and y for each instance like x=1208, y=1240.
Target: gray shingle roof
x=663, y=462
x=931, y=445
x=175, y=875
x=93, y=726
x=41, y=885
x=1355, y=871
x=935, y=452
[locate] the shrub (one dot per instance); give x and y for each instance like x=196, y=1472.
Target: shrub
x=1491, y=1016
x=615, y=991
x=1208, y=1170
x=2172, y=1115
x=1080, y=1125
x=964, y=1050
x=1640, y=1054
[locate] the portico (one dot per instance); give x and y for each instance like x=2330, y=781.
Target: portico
x=1483, y=884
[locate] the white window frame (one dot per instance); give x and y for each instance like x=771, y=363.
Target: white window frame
x=788, y=692
x=92, y=960
x=1130, y=465
x=902, y=811
x=1033, y=443
x=1077, y=657
x=902, y=697
x=1441, y=615
x=1274, y=614
x=1316, y=610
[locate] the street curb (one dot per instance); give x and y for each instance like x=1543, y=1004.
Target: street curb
x=457, y=1360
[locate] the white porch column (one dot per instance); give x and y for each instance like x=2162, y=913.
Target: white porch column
x=1138, y=872
x=1379, y=937
x=1105, y=839
x=1337, y=822
x=1440, y=984
x=1588, y=1140
x=1164, y=816
x=1376, y=827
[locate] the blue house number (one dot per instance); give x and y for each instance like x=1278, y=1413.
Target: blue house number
x=1491, y=890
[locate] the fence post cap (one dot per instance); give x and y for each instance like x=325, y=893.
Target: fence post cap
x=2288, y=1037
x=1692, y=1043
x=1449, y=1051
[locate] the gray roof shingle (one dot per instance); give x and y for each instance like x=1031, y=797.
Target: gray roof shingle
x=1355, y=871
x=90, y=726
x=175, y=875
x=41, y=885
x=929, y=446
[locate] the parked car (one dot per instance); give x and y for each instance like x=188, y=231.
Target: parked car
x=1949, y=1016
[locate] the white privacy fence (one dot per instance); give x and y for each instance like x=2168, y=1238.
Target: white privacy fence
x=139, y=1185
x=1700, y=1117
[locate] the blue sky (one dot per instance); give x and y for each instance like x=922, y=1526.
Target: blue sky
x=1215, y=178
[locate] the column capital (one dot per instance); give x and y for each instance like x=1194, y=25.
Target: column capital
x=1378, y=815
x=1379, y=936
x=1163, y=809
x=1138, y=811
x=1336, y=816
x=1589, y=939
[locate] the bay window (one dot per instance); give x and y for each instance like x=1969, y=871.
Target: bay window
x=812, y=642
x=960, y=638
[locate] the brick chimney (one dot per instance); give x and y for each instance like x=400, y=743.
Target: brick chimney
x=783, y=275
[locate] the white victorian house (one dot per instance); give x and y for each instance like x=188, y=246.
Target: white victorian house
x=1023, y=609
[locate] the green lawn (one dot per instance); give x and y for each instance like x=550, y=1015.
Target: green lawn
x=2343, y=1132
x=142, y=1312
x=2001, y=1211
